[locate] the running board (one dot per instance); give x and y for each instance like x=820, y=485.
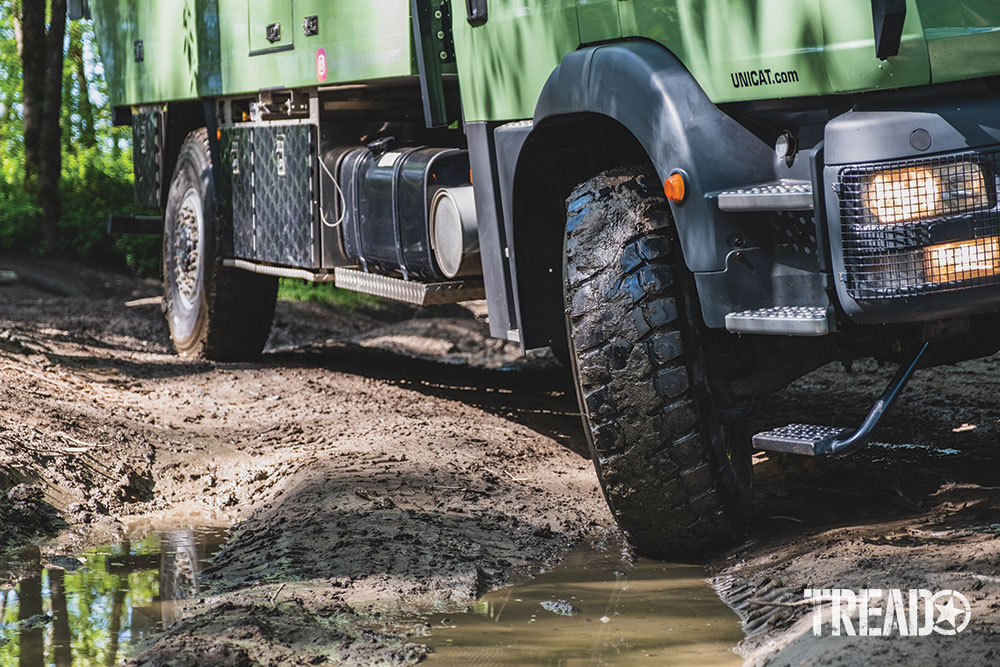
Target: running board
x=376, y=284
x=279, y=271
x=409, y=291
x=781, y=321
x=782, y=195
x=830, y=441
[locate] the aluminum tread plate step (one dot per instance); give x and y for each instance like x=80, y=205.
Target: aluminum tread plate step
x=799, y=439
x=783, y=195
x=408, y=291
x=279, y=271
x=387, y=287
x=781, y=320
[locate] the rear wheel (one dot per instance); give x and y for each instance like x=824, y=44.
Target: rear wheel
x=670, y=451
x=214, y=312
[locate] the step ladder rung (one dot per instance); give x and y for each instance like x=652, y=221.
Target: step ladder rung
x=781, y=320
x=804, y=439
x=782, y=195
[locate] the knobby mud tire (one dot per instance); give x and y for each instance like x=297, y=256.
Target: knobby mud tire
x=669, y=448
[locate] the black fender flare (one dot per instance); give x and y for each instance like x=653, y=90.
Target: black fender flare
x=645, y=88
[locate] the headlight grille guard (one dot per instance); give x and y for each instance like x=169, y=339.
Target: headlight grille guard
x=888, y=261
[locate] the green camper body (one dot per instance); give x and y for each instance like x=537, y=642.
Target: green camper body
x=206, y=48
x=736, y=50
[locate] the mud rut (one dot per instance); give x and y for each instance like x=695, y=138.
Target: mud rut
x=384, y=460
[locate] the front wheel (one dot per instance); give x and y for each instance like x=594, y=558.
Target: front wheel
x=666, y=439
x=214, y=312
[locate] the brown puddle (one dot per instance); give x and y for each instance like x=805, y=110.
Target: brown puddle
x=654, y=613
x=592, y=609
x=94, y=609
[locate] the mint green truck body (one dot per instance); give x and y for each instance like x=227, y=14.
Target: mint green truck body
x=781, y=48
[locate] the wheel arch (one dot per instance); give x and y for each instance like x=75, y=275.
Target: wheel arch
x=559, y=154
x=183, y=118
x=641, y=99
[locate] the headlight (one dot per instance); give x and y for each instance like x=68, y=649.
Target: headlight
x=924, y=192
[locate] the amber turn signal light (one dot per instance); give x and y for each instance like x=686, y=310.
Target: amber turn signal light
x=962, y=261
x=674, y=187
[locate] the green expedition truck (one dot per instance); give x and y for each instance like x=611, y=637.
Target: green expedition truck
x=694, y=201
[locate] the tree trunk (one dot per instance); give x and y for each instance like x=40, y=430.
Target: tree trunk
x=50, y=168
x=42, y=64
x=32, y=644
x=15, y=10
x=62, y=634
x=33, y=51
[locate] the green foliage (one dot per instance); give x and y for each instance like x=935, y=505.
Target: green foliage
x=11, y=140
x=299, y=290
x=95, y=185
x=97, y=162
x=17, y=217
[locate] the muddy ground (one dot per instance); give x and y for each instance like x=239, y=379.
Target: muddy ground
x=386, y=460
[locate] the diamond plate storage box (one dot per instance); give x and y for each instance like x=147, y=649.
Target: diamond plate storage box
x=236, y=149
x=269, y=186
x=147, y=129
x=388, y=199
x=285, y=216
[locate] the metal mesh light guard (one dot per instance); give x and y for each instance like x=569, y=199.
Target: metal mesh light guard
x=951, y=244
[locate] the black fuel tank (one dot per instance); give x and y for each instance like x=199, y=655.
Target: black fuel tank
x=387, y=199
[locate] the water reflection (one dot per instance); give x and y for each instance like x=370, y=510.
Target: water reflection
x=594, y=610
x=119, y=596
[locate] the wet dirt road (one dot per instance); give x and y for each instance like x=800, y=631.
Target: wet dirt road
x=384, y=463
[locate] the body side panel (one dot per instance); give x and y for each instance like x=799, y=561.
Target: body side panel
x=150, y=50
x=504, y=64
x=963, y=38
x=201, y=48
x=736, y=50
